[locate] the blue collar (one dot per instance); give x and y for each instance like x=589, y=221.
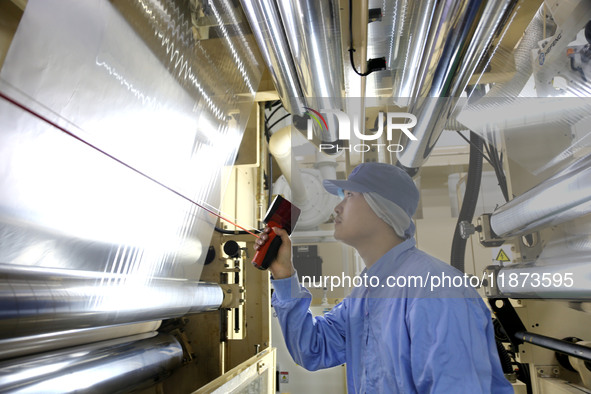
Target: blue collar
x=384, y=264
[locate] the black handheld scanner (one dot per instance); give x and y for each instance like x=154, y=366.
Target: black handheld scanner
x=281, y=214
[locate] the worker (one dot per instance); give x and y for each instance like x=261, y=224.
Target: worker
x=411, y=338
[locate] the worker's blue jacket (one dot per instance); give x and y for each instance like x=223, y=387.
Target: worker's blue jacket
x=398, y=335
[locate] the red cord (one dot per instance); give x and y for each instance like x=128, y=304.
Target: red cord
x=43, y=118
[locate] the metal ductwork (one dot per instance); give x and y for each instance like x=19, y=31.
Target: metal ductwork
x=460, y=32
x=266, y=25
x=435, y=48
x=305, y=188
x=301, y=45
x=407, y=43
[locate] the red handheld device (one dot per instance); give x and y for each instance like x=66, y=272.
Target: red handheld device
x=281, y=214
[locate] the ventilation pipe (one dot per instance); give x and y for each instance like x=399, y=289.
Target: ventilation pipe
x=280, y=147
x=305, y=185
x=301, y=45
x=265, y=23
x=460, y=33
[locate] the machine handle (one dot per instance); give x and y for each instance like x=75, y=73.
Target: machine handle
x=268, y=252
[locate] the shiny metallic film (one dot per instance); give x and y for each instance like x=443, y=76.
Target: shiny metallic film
x=38, y=300
x=23, y=346
x=115, y=127
x=459, y=35
x=265, y=22
x=108, y=366
x=563, y=197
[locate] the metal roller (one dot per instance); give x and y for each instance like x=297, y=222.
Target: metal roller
x=22, y=346
x=560, y=198
x=104, y=367
x=561, y=281
x=40, y=300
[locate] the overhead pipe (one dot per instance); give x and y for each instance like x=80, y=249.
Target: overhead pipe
x=313, y=34
x=415, y=28
x=265, y=23
x=40, y=300
x=119, y=365
x=300, y=43
x=280, y=147
x=459, y=35
x=562, y=197
x=305, y=185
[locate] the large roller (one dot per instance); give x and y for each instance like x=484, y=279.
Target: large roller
x=38, y=300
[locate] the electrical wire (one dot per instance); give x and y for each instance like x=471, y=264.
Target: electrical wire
x=351, y=48
x=232, y=232
x=495, y=159
x=273, y=113
x=279, y=120
x=471, y=143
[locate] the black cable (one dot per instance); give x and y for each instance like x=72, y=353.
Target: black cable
x=498, y=167
x=271, y=104
x=351, y=49
x=273, y=113
x=495, y=161
x=506, y=363
x=280, y=119
x=471, y=143
x=232, y=232
x=525, y=377
x=458, y=247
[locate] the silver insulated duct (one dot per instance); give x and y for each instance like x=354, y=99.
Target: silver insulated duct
x=301, y=44
x=266, y=25
x=460, y=32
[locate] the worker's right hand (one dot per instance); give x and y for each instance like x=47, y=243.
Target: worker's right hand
x=282, y=266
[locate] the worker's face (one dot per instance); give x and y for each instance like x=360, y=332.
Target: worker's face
x=354, y=219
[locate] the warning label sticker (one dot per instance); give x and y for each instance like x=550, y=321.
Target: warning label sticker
x=502, y=256
x=284, y=377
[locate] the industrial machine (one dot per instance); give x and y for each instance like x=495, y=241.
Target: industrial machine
x=143, y=141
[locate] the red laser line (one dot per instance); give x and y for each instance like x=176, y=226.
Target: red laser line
x=43, y=118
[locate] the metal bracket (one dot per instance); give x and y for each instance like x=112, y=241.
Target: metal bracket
x=489, y=283
x=547, y=371
x=486, y=235
x=233, y=295
x=530, y=247
x=188, y=353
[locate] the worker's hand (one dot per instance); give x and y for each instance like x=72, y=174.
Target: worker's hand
x=282, y=266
